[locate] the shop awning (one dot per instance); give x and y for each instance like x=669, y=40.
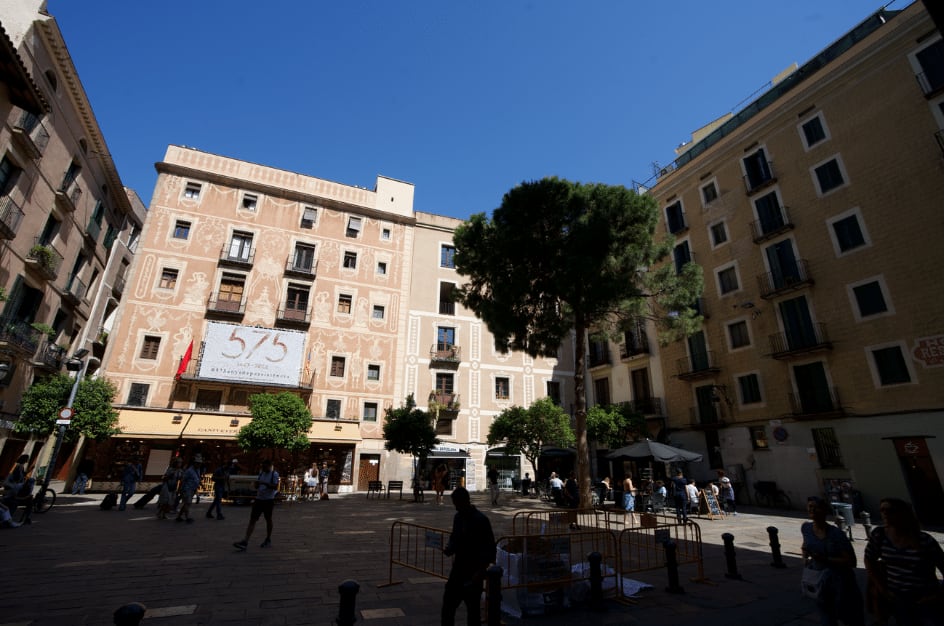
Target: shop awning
x=148, y=424
x=448, y=454
x=335, y=431
x=213, y=426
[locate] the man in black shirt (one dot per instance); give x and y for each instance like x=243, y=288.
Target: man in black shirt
x=474, y=549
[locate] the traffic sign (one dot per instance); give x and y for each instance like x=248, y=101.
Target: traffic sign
x=65, y=415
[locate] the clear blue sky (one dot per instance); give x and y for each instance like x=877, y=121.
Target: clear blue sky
x=463, y=99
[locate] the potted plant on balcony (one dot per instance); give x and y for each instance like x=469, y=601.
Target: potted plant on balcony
x=43, y=255
x=46, y=329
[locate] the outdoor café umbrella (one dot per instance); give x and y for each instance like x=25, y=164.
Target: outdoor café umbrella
x=659, y=452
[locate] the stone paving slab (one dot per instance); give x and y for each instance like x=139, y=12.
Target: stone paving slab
x=76, y=564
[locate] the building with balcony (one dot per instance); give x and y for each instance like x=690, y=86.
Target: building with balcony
x=816, y=216
x=67, y=224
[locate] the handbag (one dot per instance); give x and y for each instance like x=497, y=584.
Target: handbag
x=813, y=582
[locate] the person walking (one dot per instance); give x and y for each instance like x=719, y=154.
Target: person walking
x=221, y=480
x=680, y=499
x=190, y=483
x=18, y=489
x=440, y=481
x=827, y=549
x=131, y=476
x=168, y=488
x=323, y=481
x=492, y=477
x=310, y=483
x=901, y=562
x=729, y=495
x=693, y=497
x=473, y=547
x=267, y=486
x=628, y=496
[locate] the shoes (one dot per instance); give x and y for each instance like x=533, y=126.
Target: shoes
x=240, y=545
x=266, y=543
x=189, y=520
x=209, y=515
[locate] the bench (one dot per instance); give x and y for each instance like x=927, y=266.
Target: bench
x=375, y=487
x=396, y=485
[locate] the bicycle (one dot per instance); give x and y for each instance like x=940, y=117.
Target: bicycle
x=768, y=494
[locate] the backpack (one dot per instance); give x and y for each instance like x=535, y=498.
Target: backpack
x=109, y=501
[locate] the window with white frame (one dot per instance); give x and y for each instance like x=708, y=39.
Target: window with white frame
x=344, y=304
x=385, y=234
x=676, y=223
x=249, y=202
x=709, y=193
x=446, y=256
x=377, y=312
x=149, y=347
x=829, y=175
x=848, y=232
x=369, y=412
x=350, y=260
x=138, y=394
x=182, y=229
x=168, y=278
x=337, y=368
x=382, y=269
x=354, y=227
x=870, y=298
x=374, y=372
x=309, y=216
x=333, y=409
x=750, y=391
x=192, y=191
x=889, y=366
x=738, y=334
x=718, y=233
x=727, y=279
x=813, y=131
x=502, y=388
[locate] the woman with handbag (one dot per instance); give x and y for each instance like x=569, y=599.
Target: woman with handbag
x=901, y=563
x=828, y=577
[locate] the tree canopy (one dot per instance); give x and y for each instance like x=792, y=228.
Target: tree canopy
x=558, y=257
x=527, y=431
x=95, y=418
x=613, y=424
x=279, y=421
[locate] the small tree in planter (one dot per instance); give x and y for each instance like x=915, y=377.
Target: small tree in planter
x=43, y=255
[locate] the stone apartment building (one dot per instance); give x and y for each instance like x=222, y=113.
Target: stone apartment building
x=816, y=214
x=67, y=225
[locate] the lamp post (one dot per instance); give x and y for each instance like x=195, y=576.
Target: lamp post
x=76, y=363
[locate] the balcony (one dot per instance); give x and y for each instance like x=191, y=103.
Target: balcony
x=772, y=226
x=816, y=404
x=19, y=337
x=239, y=257
x=50, y=357
x=648, y=406
x=440, y=402
x=44, y=261
x=697, y=366
x=30, y=135
x=635, y=343
x=99, y=344
x=447, y=307
x=300, y=269
x=787, y=279
x=444, y=353
x=75, y=290
x=802, y=341
x=598, y=354
x=10, y=217
x=68, y=194
x=92, y=231
x=706, y=417
x=761, y=178
x=289, y=316
x=226, y=307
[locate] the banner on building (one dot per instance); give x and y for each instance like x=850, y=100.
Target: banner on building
x=248, y=354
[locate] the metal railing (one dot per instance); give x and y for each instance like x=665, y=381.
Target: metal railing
x=763, y=230
x=695, y=366
x=445, y=352
x=242, y=257
x=788, y=278
x=815, y=404
x=814, y=337
x=10, y=217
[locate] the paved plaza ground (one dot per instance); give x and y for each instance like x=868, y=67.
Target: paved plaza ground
x=76, y=564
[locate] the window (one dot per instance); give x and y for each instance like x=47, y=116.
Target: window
x=446, y=256
x=370, y=412
x=377, y=312
x=309, y=217
x=382, y=268
x=444, y=383
x=681, y=255
x=675, y=221
x=386, y=234
x=847, y=233
x=374, y=372
x=718, y=233
x=447, y=305
x=870, y=299
x=446, y=337
x=9, y=173
x=738, y=334
x=444, y=427
x=230, y=295
x=709, y=193
x=785, y=269
x=930, y=65
x=760, y=440
x=502, y=388
x=344, y=304
x=728, y=280
x=333, y=409
x=813, y=131
x=829, y=176
x=827, y=447
x=297, y=302
x=338, y=367
x=350, y=261
x=303, y=258
x=182, y=229
x=149, y=347
x=168, y=278
x=138, y=394
x=553, y=389
x=771, y=217
x=241, y=246
x=208, y=399
x=249, y=202
x=890, y=365
x=192, y=191
x=749, y=391
x=354, y=227
x=758, y=170
x=602, y=392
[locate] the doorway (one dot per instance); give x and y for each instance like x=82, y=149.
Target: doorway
x=369, y=469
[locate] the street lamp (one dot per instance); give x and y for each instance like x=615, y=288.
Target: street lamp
x=77, y=364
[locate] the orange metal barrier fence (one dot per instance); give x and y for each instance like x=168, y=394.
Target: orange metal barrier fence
x=419, y=548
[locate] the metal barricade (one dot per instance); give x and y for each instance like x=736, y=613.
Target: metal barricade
x=642, y=548
x=419, y=548
x=562, y=520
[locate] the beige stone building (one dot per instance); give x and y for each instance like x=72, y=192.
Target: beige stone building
x=67, y=225
x=816, y=214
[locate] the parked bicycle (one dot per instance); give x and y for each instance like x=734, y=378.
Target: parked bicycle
x=768, y=494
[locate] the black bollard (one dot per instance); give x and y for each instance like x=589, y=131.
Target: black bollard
x=730, y=551
x=597, y=595
x=776, y=548
x=129, y=614
x=673, y=577
x=494, y=595
x=346, y=602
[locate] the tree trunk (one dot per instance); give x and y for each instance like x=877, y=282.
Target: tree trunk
x=581, y=424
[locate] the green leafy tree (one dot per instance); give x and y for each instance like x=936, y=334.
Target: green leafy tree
x=527, y=431
x=409, y=430
x=558, y=257
x=279, y=421
x=613, y=425
x=95, y=418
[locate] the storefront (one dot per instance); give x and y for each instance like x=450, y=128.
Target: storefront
x=454, y=459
